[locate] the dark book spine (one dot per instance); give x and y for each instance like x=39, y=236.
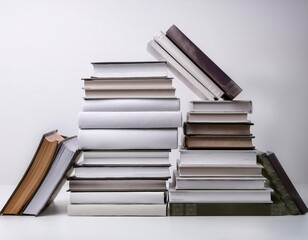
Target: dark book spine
x=275, y=183
x=220, y=209
x=287, y=182
x=230, y=88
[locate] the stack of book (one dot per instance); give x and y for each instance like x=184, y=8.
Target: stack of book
x=217, y=173
x=128, y=126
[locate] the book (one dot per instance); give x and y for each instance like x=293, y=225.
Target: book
x=130, y=69
x=217, y=117
x=122, y=120
x=122, y=171
x=198, y=57
x=124, y=161
x=127, y=153
x=117, y=210
x=119, y=184
x=127, y=83
x=128, y=138
x=216, y=182
x=131, y=104
x=227, y=157
x=281, y=183
x=244, y=106
x=34, y=174
x=218, y=170
x=187, y=64
x=217, y=128
x=220, y=196
x=220, y=209
x=55, y=178
x=118, y=197
x=218, y=142
x=130, y=93
x=181, y=73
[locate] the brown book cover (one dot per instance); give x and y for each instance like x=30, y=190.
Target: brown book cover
x=34, y=174
x=230, y=88
x=287, y=182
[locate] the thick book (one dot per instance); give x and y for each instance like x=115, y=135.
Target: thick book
x=55, y=178
x=199, y=170
x=220, y=196
x=181, y=73
x=128, y=138
x=242, y=157
x=281, y=183
x=118, y=120
x=120, y=184
x=187, y=64
x=218, y=142
x=217, y=128
x=244, y=106
x=122, y=171
x=127, y=83
x=131, y=197
x=153, y=210
x=217, y=117
x=131, y=104
x=34, y=175
x=220, y=209
x=130, y=93
x=130, y=69
x=198, y=57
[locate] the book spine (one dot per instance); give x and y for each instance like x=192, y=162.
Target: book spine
x=230, y=88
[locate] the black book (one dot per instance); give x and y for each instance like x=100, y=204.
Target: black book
x=229, y=87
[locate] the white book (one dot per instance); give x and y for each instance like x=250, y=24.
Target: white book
x=124, y=161
x=183, y=60
x=120, y=184
x=117, y=209
x=126, y=154
x=130, y=69
x=130, y=93
x=242, y=157
x=117, y=197
x=128, y=138
x=222, y=106
x=220, y=196
x=131, y=104
x=164, y=119
x=217, y=117
x=122, y=172
x=181, y=73
x=127, y=83
x=199, y=183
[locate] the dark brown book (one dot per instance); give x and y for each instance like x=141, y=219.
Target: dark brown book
x=217, y=128
x=34, y=174
x=218, y=142
x=287, y=182
x=230, y=88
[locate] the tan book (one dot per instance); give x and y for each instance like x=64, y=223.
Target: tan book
x=34, y=174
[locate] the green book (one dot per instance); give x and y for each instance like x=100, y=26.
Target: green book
x=277, y=185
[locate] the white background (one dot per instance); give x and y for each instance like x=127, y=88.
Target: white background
x=46, y=48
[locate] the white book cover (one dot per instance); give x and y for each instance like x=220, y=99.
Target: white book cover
x=128, y=138
x=183, y=60
x=164, y=119
x=117, y=210
x=190, y=81
x=124, y=161
x=217, y=117
x=130, y=69
x=126, y=154
x=131, y=104
x=117, y=197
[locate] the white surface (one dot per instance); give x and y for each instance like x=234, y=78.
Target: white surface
x=47, y=46
x=55, y=224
